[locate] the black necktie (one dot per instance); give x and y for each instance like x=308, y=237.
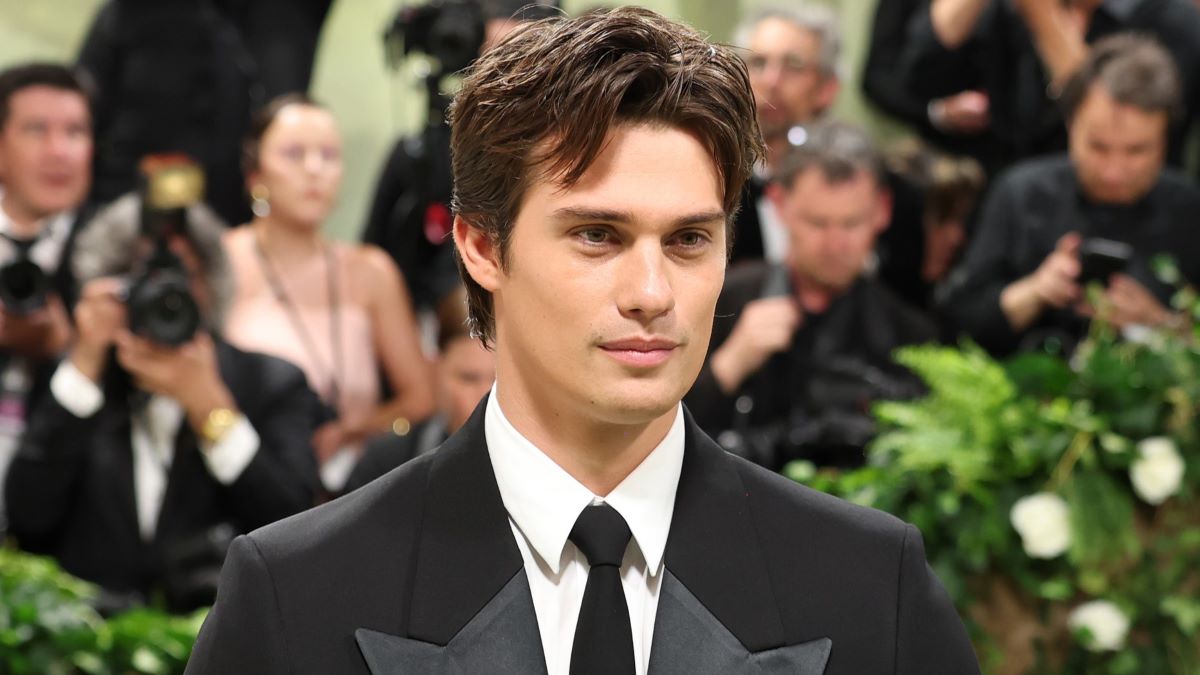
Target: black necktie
x=603, y=638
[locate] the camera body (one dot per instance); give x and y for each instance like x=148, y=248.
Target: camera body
x=159, y=299
x=450, y=31
x=23, y=284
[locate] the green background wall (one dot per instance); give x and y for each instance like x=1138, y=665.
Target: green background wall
x=373, y=105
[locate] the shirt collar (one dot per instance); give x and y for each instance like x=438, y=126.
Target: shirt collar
x=544, y=500
x=51, y=226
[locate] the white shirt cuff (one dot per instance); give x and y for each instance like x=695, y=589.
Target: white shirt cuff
x=75, y=391
x=228, y=457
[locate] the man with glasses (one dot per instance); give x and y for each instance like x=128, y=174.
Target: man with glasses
x=792, y=55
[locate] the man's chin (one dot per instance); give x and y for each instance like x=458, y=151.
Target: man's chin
x=635, y=405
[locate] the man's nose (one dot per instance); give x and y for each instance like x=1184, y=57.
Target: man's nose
x=644, y=284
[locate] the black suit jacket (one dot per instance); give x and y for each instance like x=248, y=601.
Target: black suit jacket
x=419, y=572
x=852, y=341
x=70, y=489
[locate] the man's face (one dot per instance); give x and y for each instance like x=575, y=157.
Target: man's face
x=789, y=85
x=465, y=372
x=1118, y=150
x=45, y=151
x=605, y=309
x=832, y=226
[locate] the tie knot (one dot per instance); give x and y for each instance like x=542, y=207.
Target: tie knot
x=601, y=534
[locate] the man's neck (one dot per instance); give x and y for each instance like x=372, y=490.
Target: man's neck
x=26, y=223
x=598, y=454
x=814, y=297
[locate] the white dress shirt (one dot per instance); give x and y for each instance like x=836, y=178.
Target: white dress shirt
x=153, y=439
x=543, y=502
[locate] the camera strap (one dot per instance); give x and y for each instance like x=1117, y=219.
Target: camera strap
x=293, y=313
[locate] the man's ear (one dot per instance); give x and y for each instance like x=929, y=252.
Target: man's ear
x=480, y=254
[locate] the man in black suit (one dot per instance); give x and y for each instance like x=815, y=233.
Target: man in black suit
x=793, y=56
x=580, y=522
x=45, y=170
x=146, y=458
x=801, y=349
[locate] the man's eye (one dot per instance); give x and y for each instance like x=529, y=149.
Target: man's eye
x=691, y=240
x=594, y=236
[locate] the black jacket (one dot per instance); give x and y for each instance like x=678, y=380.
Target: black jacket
x=1028, y=209
x=70, y=489
x=1002, y=57
x=812, y=401
x=388, y=451
x=419, y=572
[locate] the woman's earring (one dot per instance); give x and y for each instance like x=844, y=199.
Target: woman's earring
x=258, y=201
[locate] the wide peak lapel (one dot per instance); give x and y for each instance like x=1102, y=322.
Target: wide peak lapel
x=466, y=553
x=713, y=548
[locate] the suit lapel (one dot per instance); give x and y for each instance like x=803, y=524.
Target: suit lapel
x=712, y=550
x=467, y=553
x=689, y=639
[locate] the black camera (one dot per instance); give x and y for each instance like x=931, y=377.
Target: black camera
x=159, y=302
x=450, y=31
x=23, y=285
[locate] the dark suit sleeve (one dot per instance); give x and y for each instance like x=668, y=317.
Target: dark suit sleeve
x=244, y=632
x=970, y=299
x=880, y=82
x=42, y=481
x=708, y=403
x=928, y=69
x=282, y=478
x=930, y=636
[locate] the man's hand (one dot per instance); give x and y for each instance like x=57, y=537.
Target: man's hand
x=963, y=114
x=187, y=373
x=1055, y=283
x=1129, y=303
x=765, y=327
x=1056, y=280
x=99, y=316
x=41, y=334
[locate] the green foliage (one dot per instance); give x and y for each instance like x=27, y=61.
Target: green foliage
x=47, y=627
x=988, y=433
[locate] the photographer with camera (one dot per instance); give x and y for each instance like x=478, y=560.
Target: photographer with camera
x=45, y=172
x=800, y=350
x=159, y=442
x=410, y=213
x=1100, y=214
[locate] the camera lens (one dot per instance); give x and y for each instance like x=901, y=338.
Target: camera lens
x=23, y=286
x=162, y=309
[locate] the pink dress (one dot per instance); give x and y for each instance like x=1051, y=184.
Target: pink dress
x=258, y=321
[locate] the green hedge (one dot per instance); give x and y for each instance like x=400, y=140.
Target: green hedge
x=48, y=627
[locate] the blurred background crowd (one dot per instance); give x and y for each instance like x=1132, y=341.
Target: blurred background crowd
x=228, y=293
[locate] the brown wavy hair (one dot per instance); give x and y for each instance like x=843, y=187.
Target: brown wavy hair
x=543, y=102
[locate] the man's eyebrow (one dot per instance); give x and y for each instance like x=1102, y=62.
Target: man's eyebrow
x=600, y=215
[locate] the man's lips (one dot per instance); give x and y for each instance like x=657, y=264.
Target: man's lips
x=643, y=352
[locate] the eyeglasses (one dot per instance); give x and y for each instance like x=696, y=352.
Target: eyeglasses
x=790, y=64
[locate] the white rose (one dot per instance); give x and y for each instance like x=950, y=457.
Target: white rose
x=1158, y=471
x=1106, y=625
x=1041, y=520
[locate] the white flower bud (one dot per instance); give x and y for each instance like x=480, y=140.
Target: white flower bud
x=1106, y=624
x=1041, y=520
x=1157, y=473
